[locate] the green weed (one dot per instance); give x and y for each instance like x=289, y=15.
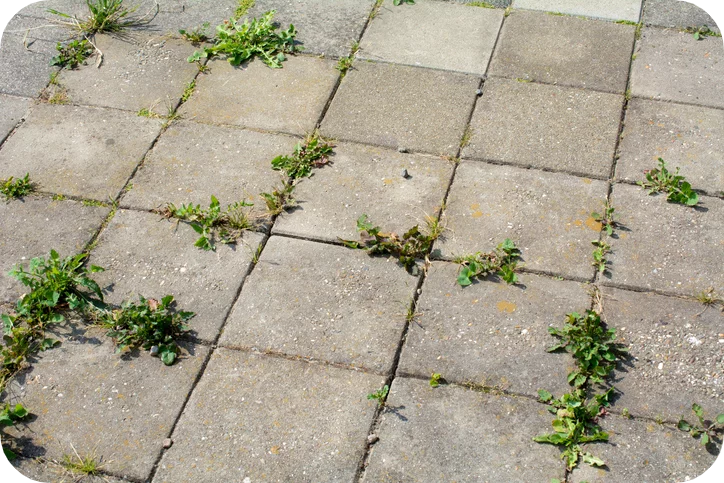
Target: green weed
x=626, y=22
x=242, y=8
x=197, y=35
x=400, y=2
x=92, y=203
x=104, y=16
x=706, y=430
x=379, y=395
x=467, y=135
x=345, y=63
x=13, y=188
x=709, y=297
x=700, y=33
x=281, y=198
x=599, y=255
x=87, y=465
x=314, y=153
x=188, y=91
x=480, y=4
x=9, y=416
x=661, y=180
x=72, y=54
x=57, y=197
x=502, y=262
x=435, y=379
x=607, y=218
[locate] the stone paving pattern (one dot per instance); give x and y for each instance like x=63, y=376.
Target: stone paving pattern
x=512, y=124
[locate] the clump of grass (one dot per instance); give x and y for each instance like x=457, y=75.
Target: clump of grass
x=72, y=54
x=502, y=262
x=10, y=416
x=86, y=466
x=661, y=180
x=105, y=16
x=14, y=188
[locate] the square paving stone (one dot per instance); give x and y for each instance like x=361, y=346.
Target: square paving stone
x=402, y=107
x=455, y=434
x=34, y=226
x=322, y=302
x=666, y=246
x=543, y=126
x=191, y=161
x=78, y=151
x=164, y=261
x=547, y=215
x=25, y=72
x=84, y=395
x=367, y=180
x=257, y=418
x=677, y=348
x=12, y=111
x=433, y=34
x=136, y=73
x=290, y=99
x=688, y=137
x=676, y=13
x=324, y=26
x=644, y=452
x=610, y=9
x=673, y=66
x=491, y=333
x=565, y=51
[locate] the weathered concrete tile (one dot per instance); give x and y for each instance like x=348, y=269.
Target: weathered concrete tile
x=163, y=260
x=689, y=137
x=324, y=26
x=611, y=9
x=38, y=29
x=402, y=107
x=367, y=180
x=676, y=354
x=78, y=151
x=191, y=161
x=78, y=8
x=547, y=215
x=34, y=226
x=434, y=34
x=25, y=72
x=289, y=100
x=53, y=472
x=676, y=13
x=254, y=418
x=667, y=246
x=565, y=51
x=12, y=111
x=84, y=395
x=455, y=434
x=644, y=452
x=322, y=302
x=174, y=15
x=135, y=74
x=673, y=66
x=542, y=126
x=490, y=333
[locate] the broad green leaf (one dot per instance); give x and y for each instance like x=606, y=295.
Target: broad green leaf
x=683, y=425
x=720, y=419
x=705, y=439
x=544, y=395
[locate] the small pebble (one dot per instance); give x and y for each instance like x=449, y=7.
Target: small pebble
x=402, y=149
x=405, y=174
x=154, y=350
x=479, y=92
x=372, y=438
x=167, y=443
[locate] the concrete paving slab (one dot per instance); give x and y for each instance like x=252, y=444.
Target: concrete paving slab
x=671, y=65
x=677, y=354
x=668, y=247
x=84, y=395
x=260, y=418
x=78, y=151
x=12, y=111
x=644, y=452
x=165, y=261
x=326, y=27
x=547, y=215
x=689, y=137
x=136, y=73
x=25, y=71
x=289, y=100
x=174, y=15
x=434, y=34
x=543, y=126
x=34, y=226
x=494, y=3
x=79, y=8
x=427, y=435
x=191, y=161
x=564, y=51
x=367, y=180
x=322, y=302
x=38, y=29
x=611, y=9
x=402, y=107
x=52, y=472
x=676, y=13
x=491, y=333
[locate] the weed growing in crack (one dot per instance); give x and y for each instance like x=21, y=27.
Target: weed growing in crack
x=708, y=432
x=10, y=416
x=400, y=2
x=599, y=255
x=188, y=91
x=436, y=379
x=379, y=395
x=88, y=465
x=480, y=4
x=345, y=63
x=661, y=180
x=72, y=54
x=105, y=16
x=197, y=35
x=502, y=262
x=607, y=219
x=14, y=188
x=700, y=33
x=314, y=153
x=281, y=198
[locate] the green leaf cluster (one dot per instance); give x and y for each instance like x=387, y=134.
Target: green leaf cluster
x=678, y=189
x=16, y=188
x=705, y=430
x=9, y=416
x=607, y=219
x=72, y=54
x=502, y=262
x=400, y=2
x=379, y=395
x=599, y=255
x=435, y=379
x=197, y=34
x=280, y=198
x=314, y=153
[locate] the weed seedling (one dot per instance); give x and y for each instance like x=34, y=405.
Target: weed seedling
x=661, y=180
x=379, y=395
x=702, y=32
x=72, y=54
x=314, y=153
x=400, y=2
x=281, y=198
x=502, y=262
x=197, y=35
x=435, y=379
x=9, y=416
x=87, y=466
x=606, y=219
x=13, y=188
x=345, y=63
x=188, y=91
x=706, y=430
x=599, y=255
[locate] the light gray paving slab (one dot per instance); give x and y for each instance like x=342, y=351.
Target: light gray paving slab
x=439, y=35
x=547, y=215
x=667, y=246
x=146, y=255
x=402, y=107
x=41, y=470
x=38, y=29
x=84, y=395
x=676, y=354
x=564, y=51
x=174, y=15
x=676, y=13
x=78, y=151
x=322, y=302
x=12, y=111
x=259, y=418
x=25, y=71
x=689, y=137
x=78, y=8
x=455, y=434
x=644, y=452
x=367, y=180
x=192, y=161
x=136, y=73
x=290, y=99
x=671, y=65
x=326, y=27
x=611, y=9
x=543, y=126
x=490, y=333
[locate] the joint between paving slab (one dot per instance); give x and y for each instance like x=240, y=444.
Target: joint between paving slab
x=545, y=169
x=558, y=84
x=702, y=192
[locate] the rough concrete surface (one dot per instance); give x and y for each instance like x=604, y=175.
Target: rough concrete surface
x=611, y=9
x=25, y=72
x=676, y=13
x=12, y=111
